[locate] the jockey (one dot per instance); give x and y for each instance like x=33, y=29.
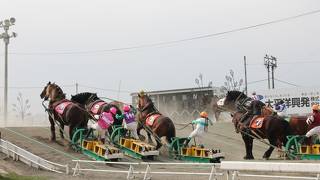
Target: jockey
x=253, y=110
x=281, y=108
x=201, y=127
x=314, y=121
x=255, y=96
x=129, y=121
x=105, y=120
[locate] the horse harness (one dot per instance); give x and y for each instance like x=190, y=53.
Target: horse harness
x=95, y=107
x=58, y=108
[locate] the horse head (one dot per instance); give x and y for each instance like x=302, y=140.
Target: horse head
x=44, y=94
x=53, y=92
x=145, y=106
x=144, y=103
x=229, y=103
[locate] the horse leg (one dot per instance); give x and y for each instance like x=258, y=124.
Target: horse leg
x=53, y=129
x=150, y=139
x=273, y=142
x=61, y=130
x=216, y=115
x=141, y=137
x=248, y=141
x=157, y=132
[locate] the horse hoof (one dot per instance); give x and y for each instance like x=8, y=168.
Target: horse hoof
x=142, y=137
x=265, y=158
x=248, y=158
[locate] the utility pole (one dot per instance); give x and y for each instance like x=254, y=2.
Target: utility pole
x=270, y=62
x=6, y=39
x=77, y=88
x=118, y=95
x=274, y=65
x=245, y=75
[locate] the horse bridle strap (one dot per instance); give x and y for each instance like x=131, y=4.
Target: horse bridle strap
x=145, y=107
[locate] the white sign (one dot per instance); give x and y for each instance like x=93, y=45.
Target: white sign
x=298, y=100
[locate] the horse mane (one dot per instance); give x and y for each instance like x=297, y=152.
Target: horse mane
x=234, y=95
x=84, y=97
x=150, y=104
x=59, y=91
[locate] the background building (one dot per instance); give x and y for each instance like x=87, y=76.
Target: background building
x=182, y=105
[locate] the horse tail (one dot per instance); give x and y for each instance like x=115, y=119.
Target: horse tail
x=171, y=132
x=287, y=130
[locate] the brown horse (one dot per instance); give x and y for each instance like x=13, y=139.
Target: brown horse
x=162, y=125
x=274, y=128
x=95, y=106
x=73, y=115
x=298, y=124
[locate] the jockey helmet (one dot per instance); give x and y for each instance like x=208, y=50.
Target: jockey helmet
x=126, y=108
x=315, y=107
x=204, y=114
x=254, y=93
x=113, y=110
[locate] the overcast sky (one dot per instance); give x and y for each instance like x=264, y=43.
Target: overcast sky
x=47, y=26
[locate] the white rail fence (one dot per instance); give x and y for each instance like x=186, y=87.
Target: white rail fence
x=147, y=172
x=307, y=169
x=226, y=169
x=19, y=154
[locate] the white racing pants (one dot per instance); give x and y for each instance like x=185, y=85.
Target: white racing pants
x=102, y=132
x=132, y=127
x=313, y=131
x=198, y=132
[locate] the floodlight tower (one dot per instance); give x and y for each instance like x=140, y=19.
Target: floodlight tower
x=5, y=24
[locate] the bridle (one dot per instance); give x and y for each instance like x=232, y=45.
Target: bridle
x=145, y=107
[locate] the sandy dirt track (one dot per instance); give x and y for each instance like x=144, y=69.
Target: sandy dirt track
x=36, y=140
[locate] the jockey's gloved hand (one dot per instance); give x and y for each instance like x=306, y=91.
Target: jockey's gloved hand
x=133, y=110
x=193, y=122
x=119, y=116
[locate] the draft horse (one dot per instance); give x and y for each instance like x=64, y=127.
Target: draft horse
x=297, y=124
x=63, y=111
x=95, y=106
x=274, y=128
x=150, y=117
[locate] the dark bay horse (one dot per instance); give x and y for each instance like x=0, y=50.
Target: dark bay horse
x=274, y=128
x=162, y=125
x=298, y=124
x=73, y=115
x=95, y=106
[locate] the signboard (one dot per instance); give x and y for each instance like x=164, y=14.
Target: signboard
x=298, y=100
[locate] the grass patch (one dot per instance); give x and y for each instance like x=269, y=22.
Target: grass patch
x=14, y=176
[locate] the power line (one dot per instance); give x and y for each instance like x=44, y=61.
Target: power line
x=253, y=82
x=170, y=42
x=34, y=87
x=285, y=82
x=103, y=89
x=287, y=62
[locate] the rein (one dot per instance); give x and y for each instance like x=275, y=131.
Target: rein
x=52, y=116
x=259, y=138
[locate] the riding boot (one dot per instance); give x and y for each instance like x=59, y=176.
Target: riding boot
x=185, y=144
x=103, y=140
x=88, y=133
